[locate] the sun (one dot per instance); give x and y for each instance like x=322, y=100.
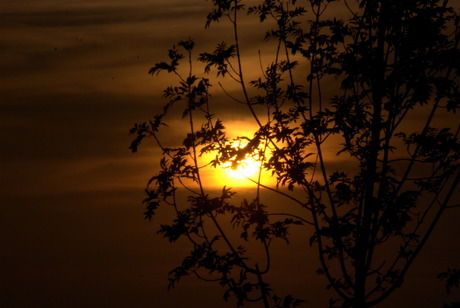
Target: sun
x=247, y=168
x=245, y=172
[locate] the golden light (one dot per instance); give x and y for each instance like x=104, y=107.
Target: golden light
x=247, y=168
x=245, y=172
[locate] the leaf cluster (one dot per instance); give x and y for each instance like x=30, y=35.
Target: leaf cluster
x=352, y=84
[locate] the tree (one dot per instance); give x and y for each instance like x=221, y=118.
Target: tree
x=452, y=279
x=391, y=69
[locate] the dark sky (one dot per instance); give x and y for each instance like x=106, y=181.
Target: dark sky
x=73, y=80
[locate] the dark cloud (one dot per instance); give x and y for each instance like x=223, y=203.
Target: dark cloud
x=92, y=249
x=87, y=249
x=69, y=126
x=99, y=14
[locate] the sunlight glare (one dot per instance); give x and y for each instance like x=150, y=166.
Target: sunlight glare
x=247, y=168
x=245, y=172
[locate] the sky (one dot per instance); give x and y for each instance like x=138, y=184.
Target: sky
x=73, y=81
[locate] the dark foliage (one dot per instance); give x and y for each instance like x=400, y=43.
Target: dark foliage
x=395, y=65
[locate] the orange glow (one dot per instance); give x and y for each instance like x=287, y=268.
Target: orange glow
x=245, y=172
x=247, y=168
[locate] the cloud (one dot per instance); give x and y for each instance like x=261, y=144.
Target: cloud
x=89, y=13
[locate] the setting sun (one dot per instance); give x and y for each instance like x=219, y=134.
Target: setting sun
x=244, y=172
x=248, y=168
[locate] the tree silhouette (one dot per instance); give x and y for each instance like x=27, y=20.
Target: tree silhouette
x=379, y=82
x=452, y=279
